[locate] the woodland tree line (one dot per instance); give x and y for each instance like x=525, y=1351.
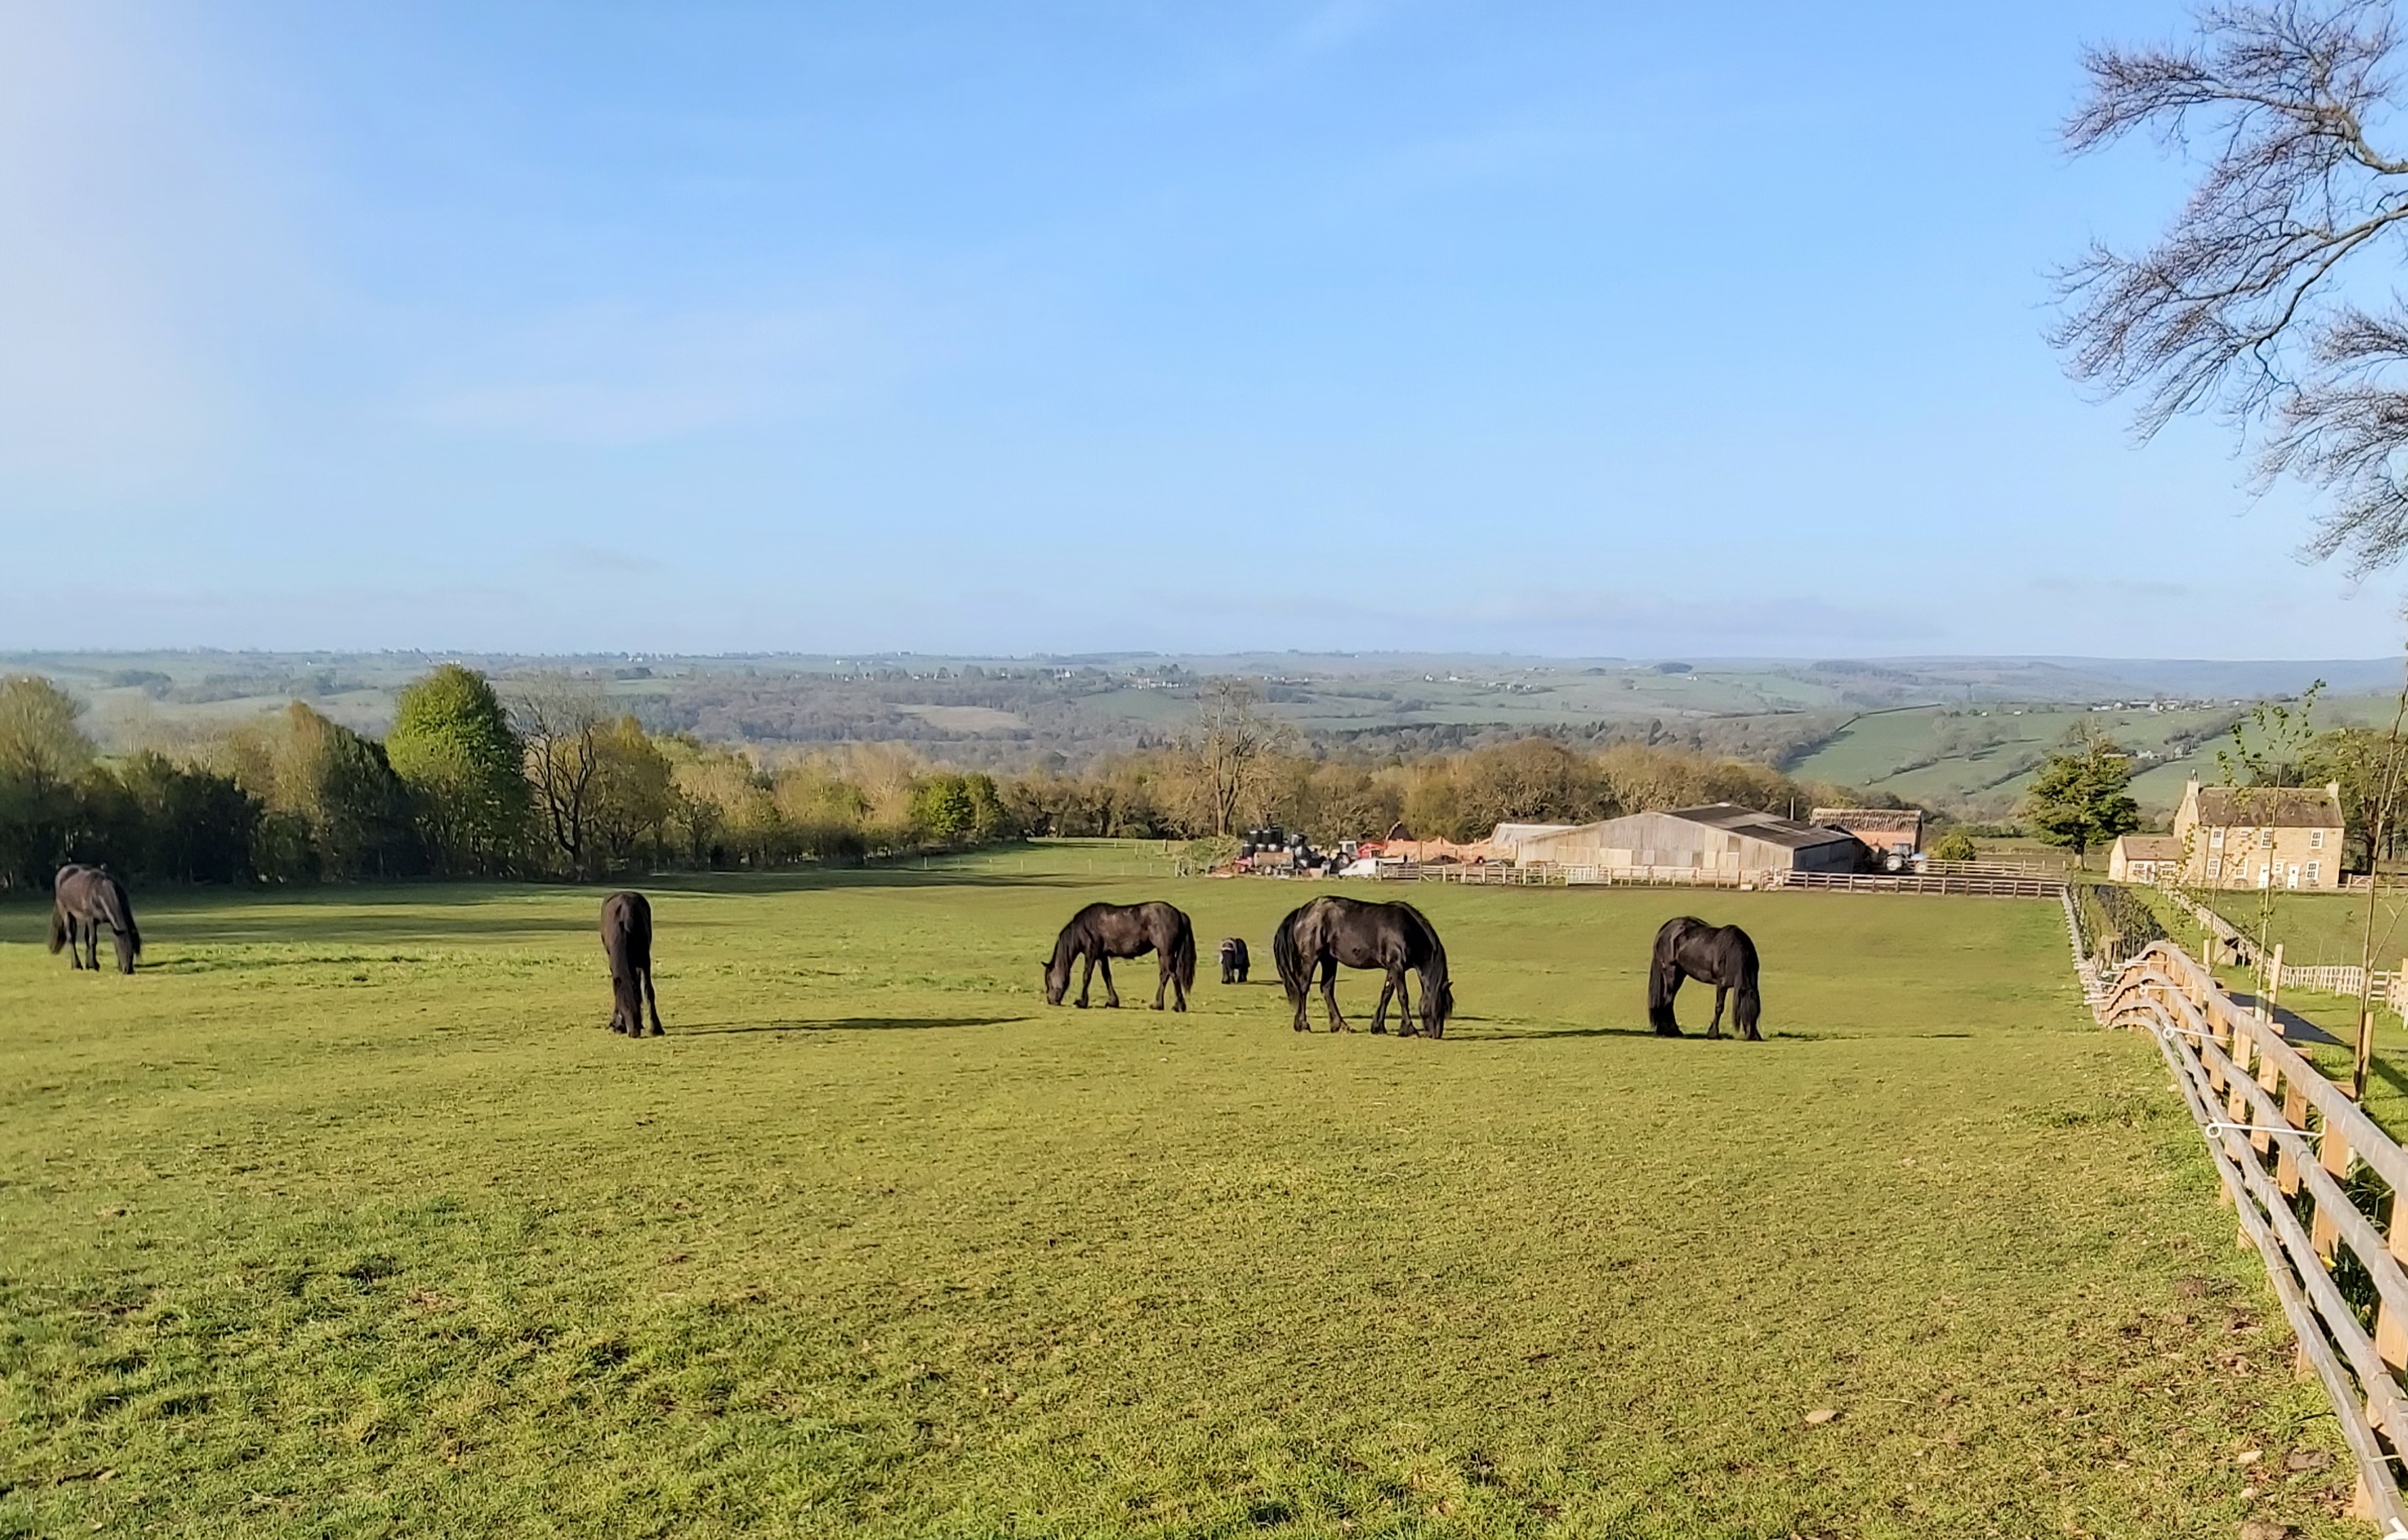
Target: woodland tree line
x=553, y=782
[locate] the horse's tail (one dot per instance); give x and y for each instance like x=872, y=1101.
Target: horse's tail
x=119, y=911
x=1747, y=1003
x=1437, y=993
x=1183, y=956
x=1284, y=958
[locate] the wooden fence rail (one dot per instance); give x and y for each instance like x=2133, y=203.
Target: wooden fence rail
x=1917, y=882
x=2285, y=1140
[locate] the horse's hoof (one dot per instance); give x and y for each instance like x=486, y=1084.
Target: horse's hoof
x=1080, y=1004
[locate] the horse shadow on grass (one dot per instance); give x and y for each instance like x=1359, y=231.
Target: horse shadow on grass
x=848, y=1023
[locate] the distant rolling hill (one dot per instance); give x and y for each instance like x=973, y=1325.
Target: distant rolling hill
x=1957, y=733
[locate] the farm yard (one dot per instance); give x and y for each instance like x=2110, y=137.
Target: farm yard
x=345, y=1217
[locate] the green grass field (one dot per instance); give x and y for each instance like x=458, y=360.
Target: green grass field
x=2327, y=928
x=346, y=1217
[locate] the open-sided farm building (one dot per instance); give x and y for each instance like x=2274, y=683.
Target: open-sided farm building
x=1721, y=837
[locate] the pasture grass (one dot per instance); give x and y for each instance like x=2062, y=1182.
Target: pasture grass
x=346, y=1217
x=2327, y=928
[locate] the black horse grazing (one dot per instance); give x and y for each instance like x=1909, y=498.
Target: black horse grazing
x=83, y=899
x=1101, y=932
x=1720, y=955
x=1390, y=937
x=1234, y=961
x=627, y=941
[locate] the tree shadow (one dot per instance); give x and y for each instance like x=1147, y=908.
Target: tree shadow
x=847, y=1023
x=2297, y=1029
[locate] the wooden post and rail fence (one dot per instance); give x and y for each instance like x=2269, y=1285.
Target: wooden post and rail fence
x=2285, y=1141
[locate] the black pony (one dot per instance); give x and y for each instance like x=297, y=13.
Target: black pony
x=83, y=899
x=1720, y=955
x=1390, y=937
x=627, y=941
x=1235, y=963
x=1101, y=932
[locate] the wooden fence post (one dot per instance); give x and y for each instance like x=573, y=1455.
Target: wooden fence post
x=2269, y=1076
x=2332, y=1153
x=2390, y=1331
x=2295, y=1112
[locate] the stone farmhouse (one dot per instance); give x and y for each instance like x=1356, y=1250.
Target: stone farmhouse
x=2252, y=837
x=2144, y=858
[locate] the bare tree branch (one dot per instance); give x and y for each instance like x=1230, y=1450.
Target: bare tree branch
x=562, y=727
x=2241, y=307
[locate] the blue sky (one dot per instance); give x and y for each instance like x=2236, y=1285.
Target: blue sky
x=1548, y=328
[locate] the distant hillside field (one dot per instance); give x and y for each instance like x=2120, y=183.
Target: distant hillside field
x=1956, y=734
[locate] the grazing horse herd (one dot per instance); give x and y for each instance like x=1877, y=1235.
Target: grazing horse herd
x=1319, y=936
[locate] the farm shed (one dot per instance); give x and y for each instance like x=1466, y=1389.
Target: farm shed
x=1719, y=837
x=2144, y=858
x=1885, y=831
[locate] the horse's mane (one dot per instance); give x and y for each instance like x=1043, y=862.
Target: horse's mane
x=1438, y=992
x=119, y=911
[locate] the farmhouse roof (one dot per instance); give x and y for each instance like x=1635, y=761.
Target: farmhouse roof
x=2149, y=848
x=1854, y=819
x=1773, y=830
x=2270, y=807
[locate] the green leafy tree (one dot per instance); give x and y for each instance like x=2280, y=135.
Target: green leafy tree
x=635, y=794
x=2081, y=797
x=42, y=751
x=338, y=809
x=192, y=824
x=1955, y=845
x=942, y=806
x=453, y=748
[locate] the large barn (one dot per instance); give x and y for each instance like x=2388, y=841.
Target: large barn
x=1719, y=837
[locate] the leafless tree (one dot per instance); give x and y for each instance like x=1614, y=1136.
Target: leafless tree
x=1230, y=750
x=2254, y=301
x=562, y=727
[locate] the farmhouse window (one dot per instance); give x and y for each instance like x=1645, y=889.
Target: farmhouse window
x=2216, y=839
x=2313, y=867
x=2265, y=839
x=2215, y=866
x=2292, y=879
x=2315, y=839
